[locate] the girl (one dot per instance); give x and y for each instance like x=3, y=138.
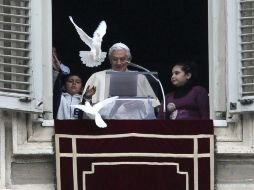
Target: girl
x=187, y=101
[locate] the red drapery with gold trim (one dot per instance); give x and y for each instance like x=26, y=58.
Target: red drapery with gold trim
x=134, y=155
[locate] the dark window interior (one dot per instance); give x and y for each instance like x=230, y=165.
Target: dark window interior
x=157, y=32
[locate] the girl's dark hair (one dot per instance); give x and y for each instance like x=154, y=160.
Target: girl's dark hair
x=188, y=67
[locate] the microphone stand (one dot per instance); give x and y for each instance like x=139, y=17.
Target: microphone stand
x=161, y=87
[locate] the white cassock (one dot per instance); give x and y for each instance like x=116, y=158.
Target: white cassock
x=124, y=109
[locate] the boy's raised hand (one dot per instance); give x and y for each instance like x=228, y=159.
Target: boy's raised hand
x=55, y=61
x=90, y=91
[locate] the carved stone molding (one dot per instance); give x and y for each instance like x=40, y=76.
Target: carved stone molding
x=232, y=132
x=29, y=137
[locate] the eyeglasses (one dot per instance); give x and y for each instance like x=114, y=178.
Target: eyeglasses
x=122, y=59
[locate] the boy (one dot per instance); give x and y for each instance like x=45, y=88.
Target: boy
x=67, y=91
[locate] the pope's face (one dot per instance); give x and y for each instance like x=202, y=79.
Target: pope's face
x=118, y=60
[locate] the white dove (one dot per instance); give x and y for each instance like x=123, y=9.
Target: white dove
x=94, y=110
x=95, y=56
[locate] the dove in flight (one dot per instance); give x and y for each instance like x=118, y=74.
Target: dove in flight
x=94, y=110
x=95, y=56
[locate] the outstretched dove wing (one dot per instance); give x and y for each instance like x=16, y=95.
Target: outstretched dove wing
x=101, y=30
x=103, y=103
x=84, y=37
x=94, y=110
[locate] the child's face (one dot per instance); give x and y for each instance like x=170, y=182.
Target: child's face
x=179, y=77
x=73, y=85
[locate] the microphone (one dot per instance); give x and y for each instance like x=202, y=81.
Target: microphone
x=155, y=78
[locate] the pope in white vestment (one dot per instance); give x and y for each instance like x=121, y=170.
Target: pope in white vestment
x=119, y=55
